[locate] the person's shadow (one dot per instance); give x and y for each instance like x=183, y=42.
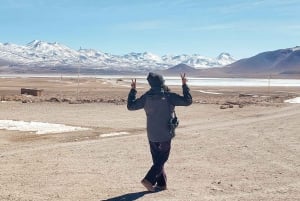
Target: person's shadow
x=129, y=196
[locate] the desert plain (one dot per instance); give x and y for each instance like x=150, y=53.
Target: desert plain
x=233, y=143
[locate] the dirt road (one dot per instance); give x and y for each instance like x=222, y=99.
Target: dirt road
x=249, y=153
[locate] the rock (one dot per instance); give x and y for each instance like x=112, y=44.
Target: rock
x=75, y=102
x=54, y=99
x=223, y=106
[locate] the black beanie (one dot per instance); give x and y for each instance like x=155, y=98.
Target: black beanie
x=155, y=80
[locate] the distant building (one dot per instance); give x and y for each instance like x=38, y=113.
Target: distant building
x=32, y=92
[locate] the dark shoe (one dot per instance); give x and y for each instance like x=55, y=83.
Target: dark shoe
x=148, y=185
x=161, y=188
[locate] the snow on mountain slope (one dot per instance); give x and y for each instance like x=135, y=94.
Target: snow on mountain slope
x=45, y=54
x=38, y=53
x=225, y=59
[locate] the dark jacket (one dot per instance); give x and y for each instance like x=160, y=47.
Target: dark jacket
x=159, y=106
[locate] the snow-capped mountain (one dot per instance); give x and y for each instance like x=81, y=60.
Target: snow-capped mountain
x=44, y=54
x=38, y=53
x=199, y=61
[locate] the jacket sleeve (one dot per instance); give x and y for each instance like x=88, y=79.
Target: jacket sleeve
x=134, y=103
x=185, y=100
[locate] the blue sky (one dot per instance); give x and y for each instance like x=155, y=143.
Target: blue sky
x=207, y=27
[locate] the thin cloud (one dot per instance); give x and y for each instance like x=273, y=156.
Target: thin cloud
x=280, y=2
x=143, y=25
x=250, y=5
x=214, y=27
x=250, y=26
x=290, y=30
x=292, y=27
x=239, y=6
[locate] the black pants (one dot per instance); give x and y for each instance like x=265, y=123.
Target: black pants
x=160, y=152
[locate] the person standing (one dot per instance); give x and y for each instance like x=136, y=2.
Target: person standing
x=159, y=104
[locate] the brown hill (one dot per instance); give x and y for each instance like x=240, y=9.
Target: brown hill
x=180, y=68
x=282, y=61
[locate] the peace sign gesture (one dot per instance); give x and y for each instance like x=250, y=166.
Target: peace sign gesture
x=133, y=83
x=183, y=78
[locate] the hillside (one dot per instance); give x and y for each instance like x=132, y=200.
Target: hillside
x=282, y=61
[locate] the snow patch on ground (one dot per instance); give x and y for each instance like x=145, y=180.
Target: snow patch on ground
x=209, y=92
x=38, y=127
x=294, y=100
x=114, y=134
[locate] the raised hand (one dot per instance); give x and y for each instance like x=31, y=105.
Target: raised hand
x=133, y=83
x=183, y=78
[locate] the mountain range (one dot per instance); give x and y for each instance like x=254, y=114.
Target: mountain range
x=282, y=63
x=44, y=55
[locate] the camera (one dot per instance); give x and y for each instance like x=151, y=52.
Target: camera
x=173, y=124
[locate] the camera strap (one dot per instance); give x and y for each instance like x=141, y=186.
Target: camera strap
x=167, y=96
x=173, y=113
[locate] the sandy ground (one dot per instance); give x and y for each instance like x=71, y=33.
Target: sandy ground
x=248, y=152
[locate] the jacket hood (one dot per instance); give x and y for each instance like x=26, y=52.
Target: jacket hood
x=155, y=80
